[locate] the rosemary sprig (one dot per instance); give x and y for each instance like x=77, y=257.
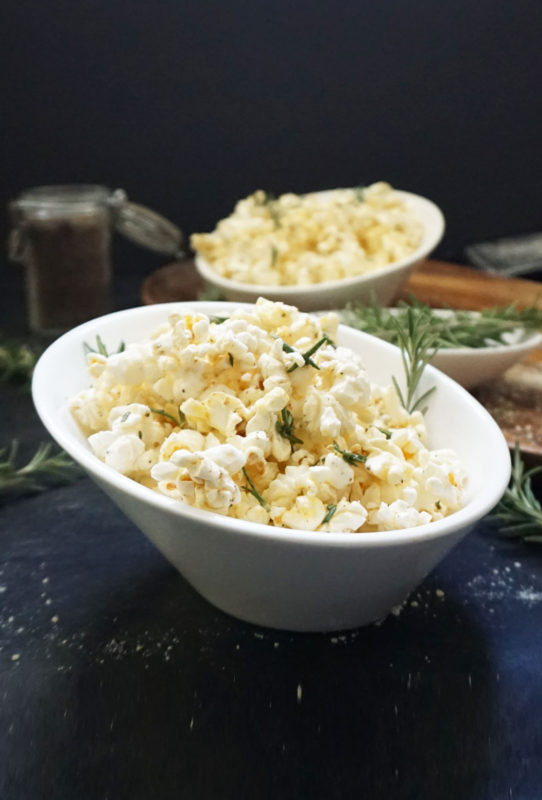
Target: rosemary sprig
x=286, y=427
x=310, y=352
x=16, y=363
x=101, y=348
x=43, y=470
x=251, y=489
x=349, y=457
x=518, y=511
x=417, y=343
x=459, y=328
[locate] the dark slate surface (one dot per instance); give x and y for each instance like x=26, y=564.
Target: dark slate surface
x=118, y=681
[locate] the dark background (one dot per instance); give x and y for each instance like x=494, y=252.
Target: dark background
x=191, y=105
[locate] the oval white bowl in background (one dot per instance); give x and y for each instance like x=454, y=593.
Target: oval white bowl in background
x=382, y=284
x=276, y=577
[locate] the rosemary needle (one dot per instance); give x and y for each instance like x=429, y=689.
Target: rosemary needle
x=251, y=489
x=101, y=348
x=43, y=470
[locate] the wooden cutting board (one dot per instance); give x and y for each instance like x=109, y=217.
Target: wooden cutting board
x=515, y=399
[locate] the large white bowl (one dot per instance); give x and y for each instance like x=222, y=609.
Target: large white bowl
x=382, y=285
x=295, y=580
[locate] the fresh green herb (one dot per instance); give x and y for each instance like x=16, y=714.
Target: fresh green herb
x=286, y=427
x=125, y=416
x=457, y=328
x=269, y=201
x=274, y=255
x=208, y=292
x=218, y=320
x=331, y=509
x=417, y=343
x=349, y=457
x=272, y=207
x=310, y=352
x=518, y=511
x=171, y=418
x=101, y=348
x=43, y=470
x=251, y=489
x=359, y=191
x=385, y=431
x=16, y=363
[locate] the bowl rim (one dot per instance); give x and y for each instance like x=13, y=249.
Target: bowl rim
x=432, y=236
x=77, y=448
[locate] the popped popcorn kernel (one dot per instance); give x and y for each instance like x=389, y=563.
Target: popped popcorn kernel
x=263, y=416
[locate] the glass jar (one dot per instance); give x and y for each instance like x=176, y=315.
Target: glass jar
x=62, y=236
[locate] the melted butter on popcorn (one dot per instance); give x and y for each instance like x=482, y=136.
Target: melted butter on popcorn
x=311, y=238
x=261, y=434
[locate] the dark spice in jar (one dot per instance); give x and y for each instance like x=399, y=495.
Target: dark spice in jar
x=68, y=267
x=62, y=236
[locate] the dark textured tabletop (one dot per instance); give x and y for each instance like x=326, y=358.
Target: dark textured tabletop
x=118, y=681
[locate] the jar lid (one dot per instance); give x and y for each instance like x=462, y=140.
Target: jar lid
x=136, y=222
x=145, y=227
x=52, y=201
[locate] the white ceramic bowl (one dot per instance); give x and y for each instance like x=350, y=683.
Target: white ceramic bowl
x=383, y=284
x=471, y=366
x=295, y=580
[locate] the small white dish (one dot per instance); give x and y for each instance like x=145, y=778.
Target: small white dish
x=291, y=579
x=471, y=366
x=383, y=284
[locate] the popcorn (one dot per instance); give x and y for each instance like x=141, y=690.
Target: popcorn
x=311, y=238
x=234, y=418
